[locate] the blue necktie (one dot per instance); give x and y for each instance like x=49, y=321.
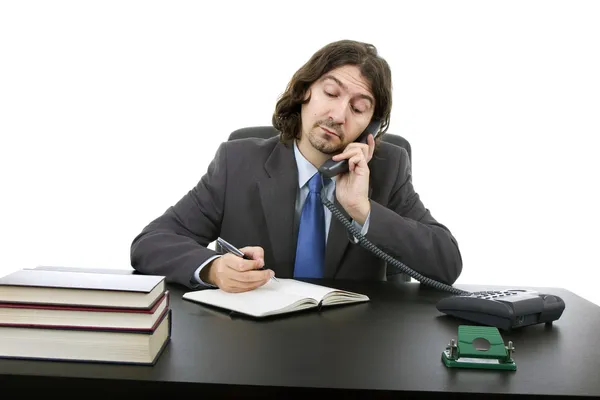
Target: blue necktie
x=310, y=250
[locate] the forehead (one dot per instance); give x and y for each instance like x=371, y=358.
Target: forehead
x=349, y=78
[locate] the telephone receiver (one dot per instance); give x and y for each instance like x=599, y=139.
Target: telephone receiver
x=331, y=168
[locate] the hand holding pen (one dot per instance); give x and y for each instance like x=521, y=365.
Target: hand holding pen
x=229, y=248
x=239, y=270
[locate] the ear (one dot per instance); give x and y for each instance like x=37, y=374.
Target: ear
x=306, y=95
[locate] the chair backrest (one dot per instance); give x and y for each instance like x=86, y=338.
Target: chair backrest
x=266, y=132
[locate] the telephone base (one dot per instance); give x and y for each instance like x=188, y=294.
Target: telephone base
x=504, y=309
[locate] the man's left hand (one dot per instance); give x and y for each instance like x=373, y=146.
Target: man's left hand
x=352, y=188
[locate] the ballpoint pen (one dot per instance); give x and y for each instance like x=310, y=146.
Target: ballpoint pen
x=234, y=250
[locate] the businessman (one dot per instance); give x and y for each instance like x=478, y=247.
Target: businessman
x=263, y=195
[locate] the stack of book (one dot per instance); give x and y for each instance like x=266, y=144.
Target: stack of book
x=79, y=315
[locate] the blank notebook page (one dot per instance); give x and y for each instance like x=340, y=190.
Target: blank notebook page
x=258, y=301
x=301, y=289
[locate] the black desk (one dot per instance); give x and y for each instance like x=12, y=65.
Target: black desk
x=389, y=346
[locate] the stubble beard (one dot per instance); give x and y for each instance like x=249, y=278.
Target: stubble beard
x=325, y=144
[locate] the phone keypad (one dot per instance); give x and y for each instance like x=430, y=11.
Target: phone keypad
x=491, y=294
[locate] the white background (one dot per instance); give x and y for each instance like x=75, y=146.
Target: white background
x=110, y=111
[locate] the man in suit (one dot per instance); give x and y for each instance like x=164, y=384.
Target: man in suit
x=263, y=194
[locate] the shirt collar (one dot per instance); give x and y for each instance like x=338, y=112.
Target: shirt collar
x=305, y=169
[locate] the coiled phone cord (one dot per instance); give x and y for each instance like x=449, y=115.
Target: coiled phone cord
x=379, y=253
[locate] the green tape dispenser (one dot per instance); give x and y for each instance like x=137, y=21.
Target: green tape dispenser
x=479, y=347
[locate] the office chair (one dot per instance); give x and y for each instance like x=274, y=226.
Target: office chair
x=266, y=132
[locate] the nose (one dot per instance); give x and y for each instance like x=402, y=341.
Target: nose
x=337, y=112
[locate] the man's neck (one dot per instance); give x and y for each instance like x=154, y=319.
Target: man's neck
x=312, y=155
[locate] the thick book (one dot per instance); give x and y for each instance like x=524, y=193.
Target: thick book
x=102, y=318
x=86, y=345
x=279, y=296
x=38, y=286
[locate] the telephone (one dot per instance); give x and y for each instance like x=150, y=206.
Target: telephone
x=502, y=309
x=331, y=168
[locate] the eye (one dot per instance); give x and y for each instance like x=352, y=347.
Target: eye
x=358, y=111
x=330, y=94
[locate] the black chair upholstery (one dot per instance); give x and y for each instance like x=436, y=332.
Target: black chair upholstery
x=266, y=132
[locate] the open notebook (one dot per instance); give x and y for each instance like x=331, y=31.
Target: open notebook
x=275, y=297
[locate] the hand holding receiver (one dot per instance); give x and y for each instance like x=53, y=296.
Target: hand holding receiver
x=232, y=273
x=340, y=165
x=352, y=188
x=352, y=171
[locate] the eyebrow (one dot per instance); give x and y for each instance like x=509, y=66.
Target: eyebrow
x=361, y=95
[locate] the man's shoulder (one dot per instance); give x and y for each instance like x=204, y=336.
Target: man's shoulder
x=390, y=164
x=388, y=154
x=248, y=153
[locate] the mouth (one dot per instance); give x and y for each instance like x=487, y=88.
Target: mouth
x=327, y=131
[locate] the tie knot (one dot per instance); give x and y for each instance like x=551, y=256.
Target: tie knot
x=314, y=184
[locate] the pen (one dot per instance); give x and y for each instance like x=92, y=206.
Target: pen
x=234, y=250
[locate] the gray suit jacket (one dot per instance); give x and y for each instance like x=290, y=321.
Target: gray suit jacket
x=248, y=197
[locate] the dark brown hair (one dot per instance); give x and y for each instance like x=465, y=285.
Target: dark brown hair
x=286, y=118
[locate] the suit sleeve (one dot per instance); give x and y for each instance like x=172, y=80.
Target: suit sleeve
x=407, y=231
x=175, y=244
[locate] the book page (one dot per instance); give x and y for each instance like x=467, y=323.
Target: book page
x=310, y=290
x=302, y=289
x=268, y=299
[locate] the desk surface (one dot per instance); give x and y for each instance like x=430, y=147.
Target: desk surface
x=390, y=345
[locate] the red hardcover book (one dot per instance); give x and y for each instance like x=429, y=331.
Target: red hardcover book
x=46, y=316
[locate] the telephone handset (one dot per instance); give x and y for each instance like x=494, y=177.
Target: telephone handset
x=331, y=168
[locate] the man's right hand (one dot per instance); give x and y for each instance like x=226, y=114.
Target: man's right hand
x=235, y=274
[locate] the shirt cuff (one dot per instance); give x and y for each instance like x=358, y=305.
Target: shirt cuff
x=198, y=283
x=362, y=228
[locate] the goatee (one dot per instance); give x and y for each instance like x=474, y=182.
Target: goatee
x=323, y=145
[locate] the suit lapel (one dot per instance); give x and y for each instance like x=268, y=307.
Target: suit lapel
x=278, y=197
x=337, y=241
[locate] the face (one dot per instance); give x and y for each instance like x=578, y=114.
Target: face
x=340, y=108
